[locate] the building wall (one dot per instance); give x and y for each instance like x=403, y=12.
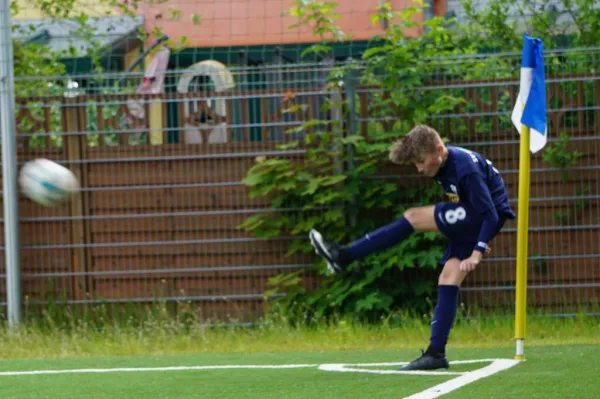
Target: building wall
x=242, y=22
x=255, y=22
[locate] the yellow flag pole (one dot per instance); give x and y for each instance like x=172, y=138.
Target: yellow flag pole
x=522, y=237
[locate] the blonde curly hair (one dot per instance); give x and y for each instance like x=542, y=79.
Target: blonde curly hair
x=421, y=140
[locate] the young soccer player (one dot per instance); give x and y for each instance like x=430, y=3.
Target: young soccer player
x=477, y=209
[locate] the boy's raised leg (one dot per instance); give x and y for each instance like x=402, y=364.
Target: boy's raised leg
x=338, y=257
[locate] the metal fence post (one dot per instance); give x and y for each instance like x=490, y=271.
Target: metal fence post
x=351, y=77
x=9, y=169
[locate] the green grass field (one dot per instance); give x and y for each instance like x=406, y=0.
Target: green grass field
x=550, y=372
x=561, y=361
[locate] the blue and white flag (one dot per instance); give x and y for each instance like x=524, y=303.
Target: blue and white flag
x=530, y=109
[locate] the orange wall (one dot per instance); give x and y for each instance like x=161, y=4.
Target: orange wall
x=255, y=22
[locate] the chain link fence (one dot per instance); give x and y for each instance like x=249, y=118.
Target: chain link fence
x=162, y=194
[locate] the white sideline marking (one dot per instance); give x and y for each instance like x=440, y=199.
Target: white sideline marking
x=463, y=378
x=345, y=369
x=138, y=369
x=467, y=378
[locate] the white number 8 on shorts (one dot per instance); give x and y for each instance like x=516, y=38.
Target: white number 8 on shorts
x=454, y=215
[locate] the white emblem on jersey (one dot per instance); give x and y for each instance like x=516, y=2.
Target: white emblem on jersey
x=490, y=163
x=454, y=215
x=471, y=154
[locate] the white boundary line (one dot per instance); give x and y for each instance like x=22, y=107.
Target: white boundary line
x=349, y=368
x=464, y=378
x=467, y=378
x=143, y=369
x=345, y=369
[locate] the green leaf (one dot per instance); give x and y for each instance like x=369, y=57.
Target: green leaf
x=175, y=14
x=332, y=180
x=288, y=146
x=263, y=190
x=287, y=185
x=312, y=187
x=376, y=50
x=253, y=179
x=354, y=140
x=374, y=300
x=333, y=215
x=327, y=197
x=251, y=223
x=316, y=49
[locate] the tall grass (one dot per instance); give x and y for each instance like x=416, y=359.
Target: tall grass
x=156, y=329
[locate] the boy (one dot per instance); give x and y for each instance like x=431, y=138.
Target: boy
x=476, y=212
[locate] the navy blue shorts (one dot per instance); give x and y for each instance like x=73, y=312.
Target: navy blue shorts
x=461, y=225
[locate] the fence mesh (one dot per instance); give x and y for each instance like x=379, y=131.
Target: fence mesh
x=161, y=152
x=160, y=203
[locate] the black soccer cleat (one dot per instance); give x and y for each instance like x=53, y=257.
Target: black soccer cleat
x=427, y=361
x=328, y=250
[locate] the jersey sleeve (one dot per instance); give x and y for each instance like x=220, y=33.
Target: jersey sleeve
x=480, y=198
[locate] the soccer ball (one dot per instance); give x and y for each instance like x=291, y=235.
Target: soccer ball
x=47, y=183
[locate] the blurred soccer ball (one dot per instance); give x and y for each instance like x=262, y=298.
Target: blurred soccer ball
x=47, y=183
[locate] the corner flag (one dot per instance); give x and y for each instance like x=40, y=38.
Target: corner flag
x=529, y=117
x=530, y=108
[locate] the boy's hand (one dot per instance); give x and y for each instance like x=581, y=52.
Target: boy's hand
x=471, y=263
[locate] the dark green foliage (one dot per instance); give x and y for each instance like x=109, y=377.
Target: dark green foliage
x=337, y=187
x=559, y=156
x=560, y=24
x=339, y=192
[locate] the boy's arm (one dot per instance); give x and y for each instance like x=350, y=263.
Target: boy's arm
x=480, y=198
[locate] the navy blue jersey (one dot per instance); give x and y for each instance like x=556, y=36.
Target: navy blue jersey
x=470, y=178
